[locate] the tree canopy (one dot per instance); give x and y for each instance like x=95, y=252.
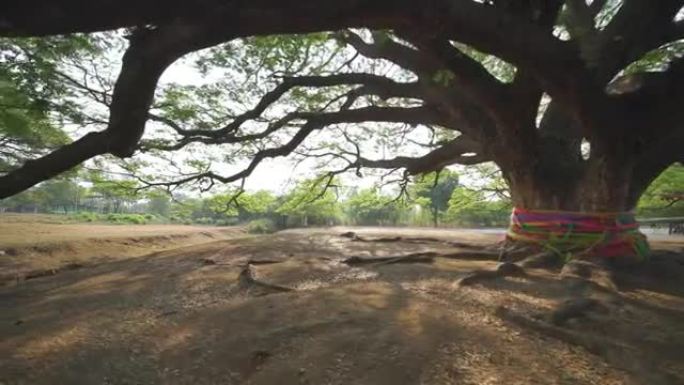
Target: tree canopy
x=578, y=103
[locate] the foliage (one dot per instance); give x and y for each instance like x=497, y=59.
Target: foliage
x=436, y=188
x=159, y=204
x=311, y=202
x=39, y=93
x=64, y=193
x=469, y=207
x=371, y=207
x=115, y=218
x=665, y=195
x=261, y=226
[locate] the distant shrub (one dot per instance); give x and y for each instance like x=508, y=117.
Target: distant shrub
x=132, y=219
x=204, y=221
x=261, y=226
x=86, y=217
x=226, y=222
x=115, y=218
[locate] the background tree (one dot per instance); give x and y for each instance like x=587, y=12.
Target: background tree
x=311, y=202
x=471, y=207
x=665, y=196
x=159, y=204
x=369, y=207
x=64, y=194
x=114, y=194
x=437, y=188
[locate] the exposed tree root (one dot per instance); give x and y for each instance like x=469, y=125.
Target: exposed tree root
x=472, y=255
x=422, y=257
x=247, y=280
x=543, y=260
x=581, y=273
x=514, y=253
x=348, y=234
x=461, y=244
x=505, y=269
x=594, y=344
x=616, y=354
x=355, y=237
x=425, y=257
x=574, y=308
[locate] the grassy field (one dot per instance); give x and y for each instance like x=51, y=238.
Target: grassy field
x=310, y=306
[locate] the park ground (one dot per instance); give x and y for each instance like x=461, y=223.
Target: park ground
x=103, y=304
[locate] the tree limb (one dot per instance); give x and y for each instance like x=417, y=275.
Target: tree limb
x=556, y=64
x=315, y=121
x=639, y=27
x=452, y=152
x=468, y=73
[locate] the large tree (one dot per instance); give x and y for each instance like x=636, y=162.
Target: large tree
x=578, y=103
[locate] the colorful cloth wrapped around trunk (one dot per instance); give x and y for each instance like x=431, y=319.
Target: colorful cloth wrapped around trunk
x=609, y=235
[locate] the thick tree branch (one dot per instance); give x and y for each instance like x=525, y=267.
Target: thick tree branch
x=289, y=83
x=48, y=17
x=639, y=27
x=556, y=64
x=403, y=56
x=411, y=115
x=150, y=52
x=58, y=161
x=659, y=156
x=458, y=151
x=655, y=103
x=468, y=73
x=314, y=121
x=466, y=115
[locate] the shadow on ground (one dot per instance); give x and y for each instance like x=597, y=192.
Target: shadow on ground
x=182, y=317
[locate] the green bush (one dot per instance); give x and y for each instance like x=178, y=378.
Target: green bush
x=86, y=217
x=118, y=218
x=204, y=221
x=133, y=219
x=261, y=226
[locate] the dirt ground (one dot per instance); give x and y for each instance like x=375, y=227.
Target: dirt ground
x=36, y=245
x=287, y=309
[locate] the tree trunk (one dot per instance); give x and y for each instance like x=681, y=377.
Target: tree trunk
x=589, y=207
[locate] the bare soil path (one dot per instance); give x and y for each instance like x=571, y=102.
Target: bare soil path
x=196, y=315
